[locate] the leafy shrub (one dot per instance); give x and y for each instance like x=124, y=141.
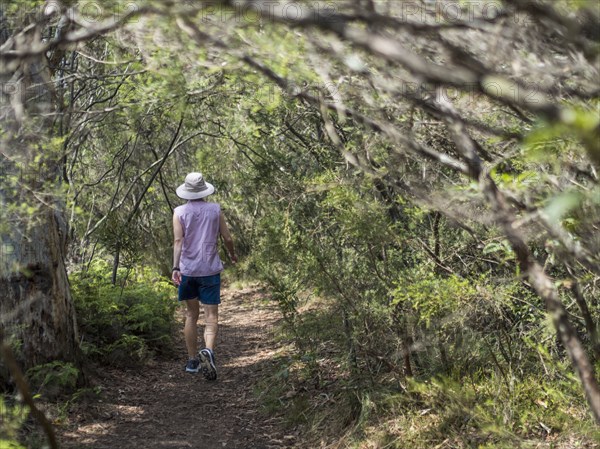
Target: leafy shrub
x=127, y=350
x=122, y=324
x=494, y=405
x=53, y=379
x=8, y=444
x=432, y=296
x=13, y=416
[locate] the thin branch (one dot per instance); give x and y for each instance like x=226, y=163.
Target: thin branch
x=21, y=383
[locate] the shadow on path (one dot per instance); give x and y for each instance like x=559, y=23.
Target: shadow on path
x=161, y=406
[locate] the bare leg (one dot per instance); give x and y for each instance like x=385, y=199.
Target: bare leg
x=190, y=331
x=211, y=317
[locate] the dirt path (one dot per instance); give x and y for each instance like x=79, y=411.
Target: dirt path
x=164, y=407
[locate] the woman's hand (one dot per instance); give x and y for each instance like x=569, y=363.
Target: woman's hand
x=176, y=277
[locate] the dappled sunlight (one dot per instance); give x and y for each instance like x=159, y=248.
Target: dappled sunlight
x=396, y=201
x=151, y=407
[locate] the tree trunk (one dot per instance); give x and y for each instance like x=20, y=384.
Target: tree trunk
x=36, y=308
x=37, y=316
x=116, y=261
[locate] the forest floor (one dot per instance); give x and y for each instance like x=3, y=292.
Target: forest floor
x=162, y=406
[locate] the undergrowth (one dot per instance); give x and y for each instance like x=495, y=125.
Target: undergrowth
x=336, y=405
x=126, y=323
x=122, y=325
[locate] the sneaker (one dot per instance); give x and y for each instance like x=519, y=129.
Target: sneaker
x=207, y=361
x=192, y=366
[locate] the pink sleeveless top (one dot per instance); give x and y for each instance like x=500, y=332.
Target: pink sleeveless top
x=199, y=253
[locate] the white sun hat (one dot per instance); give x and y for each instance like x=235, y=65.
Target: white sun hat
x=194, y=187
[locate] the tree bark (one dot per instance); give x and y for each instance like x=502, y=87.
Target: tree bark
x=37, y=315
x=36, y=309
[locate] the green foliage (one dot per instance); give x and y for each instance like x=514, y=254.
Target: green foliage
x=383, y=263
x=13, y=417
x=8, y=444
x=501, y=249
x=54, y=379
x=123, y=324
x=432, y=297
x=491, y=404
x=480, y=414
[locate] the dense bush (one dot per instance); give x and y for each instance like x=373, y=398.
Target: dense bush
x=405, y=346
x=54, y=379
x=406, y=235
x=13, y=417
x=122, y=324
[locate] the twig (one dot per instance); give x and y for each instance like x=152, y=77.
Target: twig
x=23, y=387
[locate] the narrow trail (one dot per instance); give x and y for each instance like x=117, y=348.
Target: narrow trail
x=161, y=406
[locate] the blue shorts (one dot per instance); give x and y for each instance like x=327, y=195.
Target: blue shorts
x=205, y=288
